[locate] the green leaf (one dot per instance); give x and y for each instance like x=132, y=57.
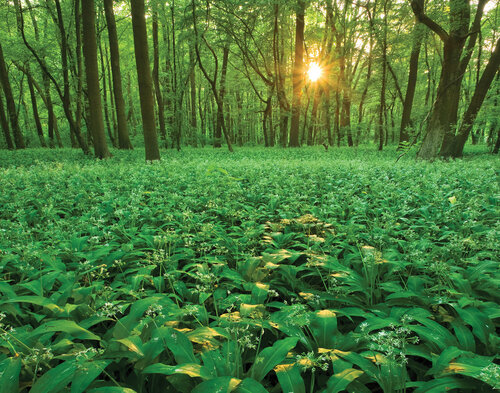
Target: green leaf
x=9, y=375
x=111, y=389
x=85, y=376
x=445, y=384
x=271, y=356
x=324, y=327
x=444, y=360
x=66, y=326
x=191, y=369
x=289, y=378
x=219, y=385
x=339, y=382
x=179, y=345
x=250, y=385
x=56, y=379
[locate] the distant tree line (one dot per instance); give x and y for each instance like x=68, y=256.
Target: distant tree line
x=87, y=73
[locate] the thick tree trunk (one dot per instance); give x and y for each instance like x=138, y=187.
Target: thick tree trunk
x=298, y=74
x=92, y=76
x=5, y=125
x=457, y=148
x=11, y=105
x=156, y=77
x=145, y=80
x=412, y=83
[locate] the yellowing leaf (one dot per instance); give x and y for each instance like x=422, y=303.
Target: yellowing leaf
x=453, y=200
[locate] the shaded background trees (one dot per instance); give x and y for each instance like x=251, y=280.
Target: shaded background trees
x=233, y=73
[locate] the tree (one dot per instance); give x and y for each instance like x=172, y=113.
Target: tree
x=92, y=75
x=298, y=73
x=476, y=102
x=5, y=125
x=145, y=80
x=11, y=105
x=440, y=129
x=121, y=117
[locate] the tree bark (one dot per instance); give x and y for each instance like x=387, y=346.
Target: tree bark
x=456, y=150
x=36, y=115
x=92, y=76
x=121, y=118
x=298, y=74
x=144, y=79
x=222, y=95
x=412, y=83
x=5, y=125
x=11, y=105
x=156, y=77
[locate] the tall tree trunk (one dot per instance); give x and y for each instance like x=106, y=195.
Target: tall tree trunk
x=36, y=115
x=476, y=102
x=192, y=81
x=105, y=96
x=314, y=117
x=441, y=127
x=11, y=105
x=121, y=118
x=279, y=71
x=145, y=80
x=384, y=79
x=298, y=74
x=5, y=125
x=92, y=76
x=222, y=94
x=412, y=83
x=74, y=125
x=156, y=77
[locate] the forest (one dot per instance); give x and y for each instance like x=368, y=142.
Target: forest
x=249, y=196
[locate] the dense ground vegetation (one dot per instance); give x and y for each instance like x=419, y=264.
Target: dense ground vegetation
x=263, y=270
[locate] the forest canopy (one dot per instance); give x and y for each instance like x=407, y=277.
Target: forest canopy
x=280, y=73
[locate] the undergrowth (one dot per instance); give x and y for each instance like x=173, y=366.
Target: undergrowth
x=261, y=271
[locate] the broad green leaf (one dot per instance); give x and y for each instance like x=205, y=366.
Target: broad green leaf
x=191, y=369
x=86, y=375
x=66, y=326
x=324, y=327
x=339, y=382
x=179, y=345
x=9, y=375
x=444, y=360
x=445, y=384
x=56, y=379
x=219, y=385
x=111, y=389
x=271, y=357
x=289, y=378
x=134, y=344
x=250, y=385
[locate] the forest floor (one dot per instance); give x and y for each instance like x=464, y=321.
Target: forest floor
x=266, y=270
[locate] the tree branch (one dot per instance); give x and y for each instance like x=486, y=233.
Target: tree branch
x=418, y=9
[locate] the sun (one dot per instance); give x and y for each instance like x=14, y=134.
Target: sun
x=314, y=72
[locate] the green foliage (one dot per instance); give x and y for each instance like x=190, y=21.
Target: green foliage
x=252, y=272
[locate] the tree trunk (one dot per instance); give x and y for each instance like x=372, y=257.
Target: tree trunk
x=298, y=74
x=144, y=79
x=105, y=97
x=192, y=81
x=222, y=94
x=36, y=115
x=5, y=125
x=11, y=105
x=383, y=88
x=440, y=130
x=92, y=76
x=412, y=83
x=480, y=92
x=156, y=77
